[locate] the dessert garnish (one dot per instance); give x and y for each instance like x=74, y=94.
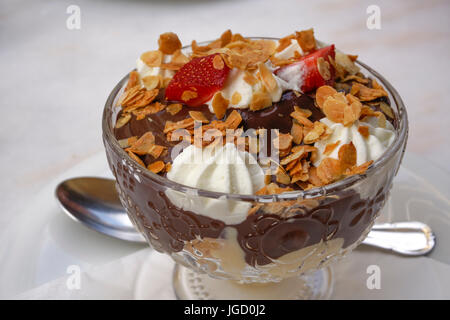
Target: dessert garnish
x=294, y=115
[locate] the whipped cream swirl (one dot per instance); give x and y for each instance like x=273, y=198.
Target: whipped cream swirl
x=367, y=148
x=221, y=169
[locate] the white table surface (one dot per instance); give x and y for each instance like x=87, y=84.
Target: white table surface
x=55, y=81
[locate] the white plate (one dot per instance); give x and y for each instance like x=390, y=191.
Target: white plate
x=42, y=242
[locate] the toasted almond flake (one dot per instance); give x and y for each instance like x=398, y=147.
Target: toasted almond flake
x=300, y=117
x=329, y=170
x=334, y=109
x=359, y=169
x=282, y=177
x=156, y=166
x=260, y=100
x=133, y=80
x=225, y=38
x=300, y=176
x=306, y=40
x=297, y=133
x=250, y=78
x=136, y=158
x=125, y=143
x=172, y=66
x=323, y=67
x=347, y=156
x=283, y=141
x=314, y=178
x=316, y=133
x=285, y=42
x=364, y=131
x=233, y=120
x=352, y=57
x=356, y=78
x=220, y=105
x=169, y=43
x=306, y=112
x=133, y=99
x=367, y=94
x=143, y=144
x=387, y=110
x=182, y=124
x=150, y=109
x=280, y=62
x=174, y=108
x=298, y=167
x=218, y=63
x=123, y=120
x=381, y=119
x=267, y=177
x=267, y=77
x=151, y=82
x=293, y=156
x=272, y=188
x=236, y=98
x=179, y=58
x=156, y=151
x=188, y=95
x=367, y=111
x=291, y=165
x=352, y=113
x=198, y=116
x=152, y=58
x=329, y=148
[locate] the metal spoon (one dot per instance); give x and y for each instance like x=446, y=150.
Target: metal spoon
x=95, y=203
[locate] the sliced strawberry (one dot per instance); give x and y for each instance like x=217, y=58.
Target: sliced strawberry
x=310, y=72
x=197, y=81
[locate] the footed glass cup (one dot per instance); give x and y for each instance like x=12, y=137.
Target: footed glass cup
x=283, y=251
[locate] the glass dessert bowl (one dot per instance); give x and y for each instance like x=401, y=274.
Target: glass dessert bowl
x=276, y=242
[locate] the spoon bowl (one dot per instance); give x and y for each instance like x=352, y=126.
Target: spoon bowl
x=94, y=202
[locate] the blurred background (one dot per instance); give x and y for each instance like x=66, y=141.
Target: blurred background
x=56, y=75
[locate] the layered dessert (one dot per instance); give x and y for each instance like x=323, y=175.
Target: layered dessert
x=251, y=120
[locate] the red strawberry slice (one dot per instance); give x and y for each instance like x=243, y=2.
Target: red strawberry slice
x=197, y=81
x=311, y=71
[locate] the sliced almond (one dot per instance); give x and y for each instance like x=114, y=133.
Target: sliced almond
x=347, y=156
x=220, y=105
x=133, y=80
x=297, y=133
x=283, y=141
x=188, y=95
x=183, y=124
x=174, y=108
x=329, y=148
x=364, y=131
x=136, y=158
x=198, y=116
x=300, y=117
x=156, y=166
x=218, y=63
x=236, y=98
x=152, y=58
x=329, y=170
x=169, y=43
x=267, y=77
x=233, y=120
x=306, y=40
x=260, y=100
x=123, y=120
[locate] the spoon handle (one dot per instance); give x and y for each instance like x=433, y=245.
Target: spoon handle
x=410, y=238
